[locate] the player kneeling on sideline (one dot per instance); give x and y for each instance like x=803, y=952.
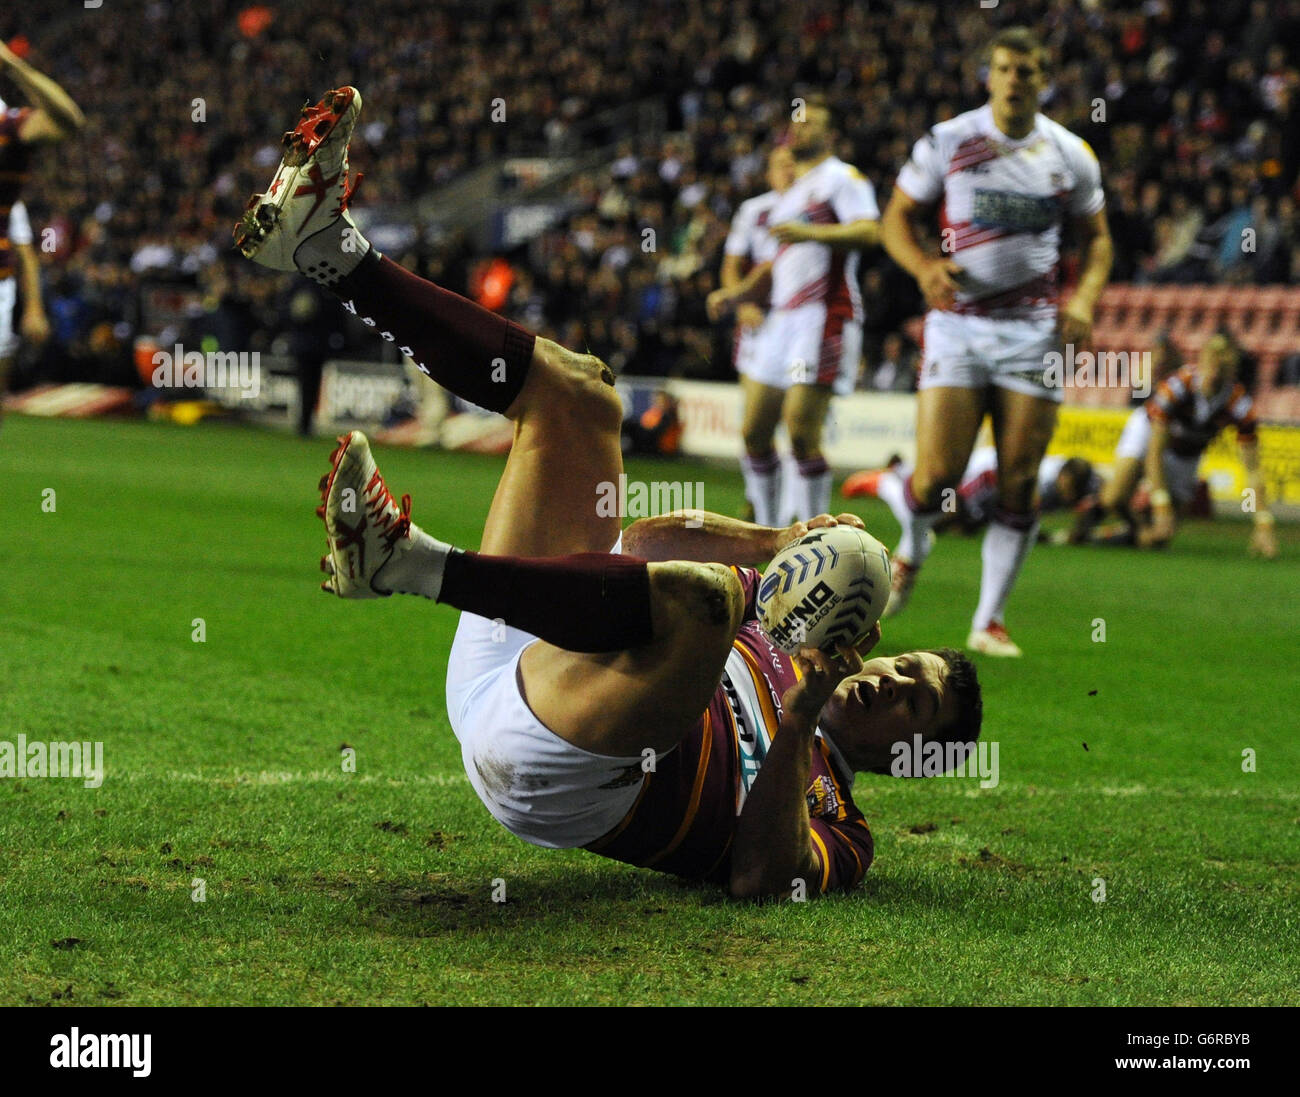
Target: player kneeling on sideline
x=623, y=702
x=1165, y=440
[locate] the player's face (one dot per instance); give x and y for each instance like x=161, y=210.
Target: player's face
x=1218, y=362
x=1015, y=82
x=892, y=699
x=1067, y=489
x=780, y=169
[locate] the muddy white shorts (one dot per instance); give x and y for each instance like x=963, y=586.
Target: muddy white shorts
x=1180, y=472
x=967, y=351
x=538, y=786
x=811, y=348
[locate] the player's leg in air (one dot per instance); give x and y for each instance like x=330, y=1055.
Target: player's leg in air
x=885, y=484
x=948, y=420
x=1022, y=428
x=629, y=653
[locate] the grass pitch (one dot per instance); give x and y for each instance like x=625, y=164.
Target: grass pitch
x=1120, y=762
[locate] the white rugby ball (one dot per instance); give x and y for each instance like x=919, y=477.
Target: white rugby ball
x=829, y=587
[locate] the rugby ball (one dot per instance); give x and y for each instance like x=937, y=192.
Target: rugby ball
x=829, y=587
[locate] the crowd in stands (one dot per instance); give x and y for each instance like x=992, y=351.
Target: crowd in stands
x=1193, y=108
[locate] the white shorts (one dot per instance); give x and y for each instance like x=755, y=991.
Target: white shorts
x=538, y=786
x=754, y=358
x=8, y=298
x=810, y=348
x=1180, y=472
x=972, y=352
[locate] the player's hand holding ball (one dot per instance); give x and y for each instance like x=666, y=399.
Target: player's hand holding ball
x=795, y=530
x=822, y=673
x=827, y=587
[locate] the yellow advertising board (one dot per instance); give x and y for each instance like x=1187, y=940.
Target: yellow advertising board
x=1094, y=432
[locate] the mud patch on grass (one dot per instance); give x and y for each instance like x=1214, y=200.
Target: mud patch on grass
x=986, y=858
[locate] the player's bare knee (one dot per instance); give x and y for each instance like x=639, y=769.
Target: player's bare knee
x=707, y=598
x=584, y=385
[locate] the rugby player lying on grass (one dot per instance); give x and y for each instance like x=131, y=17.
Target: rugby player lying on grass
x=611, y=693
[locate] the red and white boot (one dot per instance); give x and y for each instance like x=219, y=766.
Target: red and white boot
x=993, y=640
x=302, y=222
x=364, y=526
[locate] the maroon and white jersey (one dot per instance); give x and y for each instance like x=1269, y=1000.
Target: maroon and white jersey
x=684, y=819
x=15, y=170
x=832, y=193
x=748, y=236
x=1195, y=420
x=1002, y=203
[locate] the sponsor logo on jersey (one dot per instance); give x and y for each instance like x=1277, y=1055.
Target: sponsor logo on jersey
x=1017, y=212
x=822, y=798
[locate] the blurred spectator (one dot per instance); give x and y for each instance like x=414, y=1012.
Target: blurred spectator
x=897, y=369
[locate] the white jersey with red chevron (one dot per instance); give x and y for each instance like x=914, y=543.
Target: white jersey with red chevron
x=831, y=193
x=1002, y=205
x=748, y=236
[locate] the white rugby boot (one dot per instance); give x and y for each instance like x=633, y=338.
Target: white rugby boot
x=993, y=640
x=364, y=526
x=302, y=222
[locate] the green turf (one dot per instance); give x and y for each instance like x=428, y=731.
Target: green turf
x=223, y=763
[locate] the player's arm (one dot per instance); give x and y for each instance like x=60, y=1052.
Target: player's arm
x=863, y=233
x=733, y=271
x=1262, y=540
x=55, y=117
x=34, y=324
x=756, y=286
x=1098, y=255
x=748, y=314
x=703, y=537
x=773, y=847
x=935, y=275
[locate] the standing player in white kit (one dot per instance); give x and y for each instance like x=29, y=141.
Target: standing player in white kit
x=1004, y=179
x=814, y=330
x=763, y=381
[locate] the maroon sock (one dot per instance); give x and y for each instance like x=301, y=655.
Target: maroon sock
x=590, y=601
x=478, y=355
